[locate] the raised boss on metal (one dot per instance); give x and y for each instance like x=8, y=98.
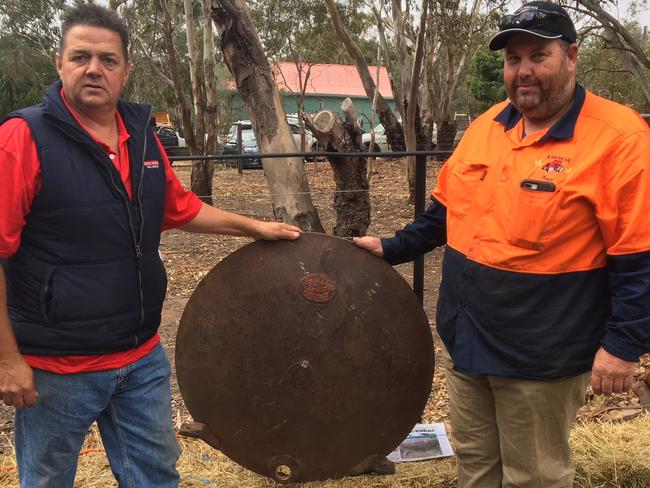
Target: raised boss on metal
x=304, y=357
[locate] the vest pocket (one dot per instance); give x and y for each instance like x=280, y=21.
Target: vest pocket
x=462, y=186
x=532, y=218
x=46, y=296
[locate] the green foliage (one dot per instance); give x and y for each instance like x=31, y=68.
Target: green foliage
x=28, y=41
x=24, y=77
x=485, y=81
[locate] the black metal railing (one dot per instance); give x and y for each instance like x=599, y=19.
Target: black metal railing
x=420, y=181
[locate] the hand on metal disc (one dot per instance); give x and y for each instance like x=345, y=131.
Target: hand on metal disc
x=611, y=374
x=275, y=231
x=17, y=382
x=370, y=243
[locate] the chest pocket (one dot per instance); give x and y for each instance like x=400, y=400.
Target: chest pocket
x=462, y=186
x=533, y=217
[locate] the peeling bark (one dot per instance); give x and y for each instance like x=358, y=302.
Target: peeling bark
x=245, y=58
x=392, y=126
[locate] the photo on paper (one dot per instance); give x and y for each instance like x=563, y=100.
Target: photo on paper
x=426, y=441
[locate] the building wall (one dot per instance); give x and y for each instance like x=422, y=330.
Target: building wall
x=313, y=103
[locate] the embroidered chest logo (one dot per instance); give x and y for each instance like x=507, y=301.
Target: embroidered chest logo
x=152, y=164
x=554, y=164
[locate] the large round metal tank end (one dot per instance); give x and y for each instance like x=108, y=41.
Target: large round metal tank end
x=302, y=358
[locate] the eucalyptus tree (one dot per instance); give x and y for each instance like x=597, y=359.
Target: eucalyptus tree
x=621, y=36
x=427, y=45
x=300, y=31
x=245, y=57
x=176, y=67
x=603, y=70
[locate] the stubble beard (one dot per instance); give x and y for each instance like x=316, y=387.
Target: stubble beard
x=550, y=97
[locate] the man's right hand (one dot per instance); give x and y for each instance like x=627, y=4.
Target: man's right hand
x=370, y=243
x=16, y=381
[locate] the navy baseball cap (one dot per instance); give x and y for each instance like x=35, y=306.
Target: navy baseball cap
x=542, y=19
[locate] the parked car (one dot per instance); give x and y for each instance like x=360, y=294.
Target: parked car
x=381, y=143
x=294, y=125
x=169, y=136
x=249, y=143
x=249, y=146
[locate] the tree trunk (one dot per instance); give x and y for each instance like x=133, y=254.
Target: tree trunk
x=209, y=63
x=352, y=199
x=245, y=58
x=201, y=179
x=412, y=115
x=446, y=135
x=195, y=78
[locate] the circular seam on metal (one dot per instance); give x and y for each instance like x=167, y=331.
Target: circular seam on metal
x=304, y=357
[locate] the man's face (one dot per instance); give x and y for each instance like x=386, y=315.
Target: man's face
x=92, y=68
x=539, y=75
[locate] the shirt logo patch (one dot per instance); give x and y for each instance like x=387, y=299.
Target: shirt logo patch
x=553, y=166
x=154, y=163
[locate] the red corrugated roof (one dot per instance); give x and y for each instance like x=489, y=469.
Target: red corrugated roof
x=329, y=79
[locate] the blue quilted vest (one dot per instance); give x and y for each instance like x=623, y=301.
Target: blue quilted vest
x=87, y=278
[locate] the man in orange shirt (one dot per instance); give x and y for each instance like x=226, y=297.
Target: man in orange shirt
x=85, y=191
x=544, y=209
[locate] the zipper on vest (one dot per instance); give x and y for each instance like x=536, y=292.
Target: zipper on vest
x=136, y=241
x=138, y=198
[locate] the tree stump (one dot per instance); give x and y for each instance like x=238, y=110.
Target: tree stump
x=352, y=198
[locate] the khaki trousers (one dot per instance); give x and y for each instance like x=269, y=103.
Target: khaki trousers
x=513, y=433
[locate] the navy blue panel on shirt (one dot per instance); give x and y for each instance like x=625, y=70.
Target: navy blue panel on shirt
x=628, y=328
x=521, y=325
x=428, y=231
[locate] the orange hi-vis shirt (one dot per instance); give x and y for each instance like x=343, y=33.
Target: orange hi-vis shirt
x=547, y=239
x=554, y=201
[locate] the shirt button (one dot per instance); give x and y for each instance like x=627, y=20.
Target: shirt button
x=112, y=156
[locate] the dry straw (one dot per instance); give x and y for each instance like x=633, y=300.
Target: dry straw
x=606, y=455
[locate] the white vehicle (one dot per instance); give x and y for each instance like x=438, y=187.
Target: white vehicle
x=381, y=144
x=294, y=126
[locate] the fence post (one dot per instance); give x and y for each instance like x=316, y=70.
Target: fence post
x=240, y=161
x=420, y=184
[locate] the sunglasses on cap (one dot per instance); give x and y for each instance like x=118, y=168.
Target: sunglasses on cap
x=527, y=18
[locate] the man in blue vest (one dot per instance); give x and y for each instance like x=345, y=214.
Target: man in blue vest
x=85, y=191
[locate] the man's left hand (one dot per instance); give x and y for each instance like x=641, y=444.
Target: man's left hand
x=611, y=374
x=275, y=231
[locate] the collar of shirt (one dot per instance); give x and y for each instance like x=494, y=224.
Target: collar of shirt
x=122, y=133
x=509, y=117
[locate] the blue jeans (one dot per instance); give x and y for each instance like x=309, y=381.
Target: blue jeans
x=132, y=407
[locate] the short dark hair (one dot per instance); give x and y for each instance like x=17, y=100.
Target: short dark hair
x=95, y=16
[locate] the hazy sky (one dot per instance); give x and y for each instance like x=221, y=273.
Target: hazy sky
x=644, y=17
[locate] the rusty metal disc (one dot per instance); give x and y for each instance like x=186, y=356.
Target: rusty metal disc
x=304, y=357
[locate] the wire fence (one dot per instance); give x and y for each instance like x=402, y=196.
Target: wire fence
x=190, y=258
